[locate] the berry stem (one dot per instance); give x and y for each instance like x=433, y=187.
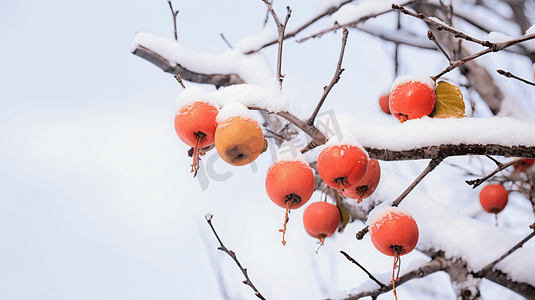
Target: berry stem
x=199, y=138
x=283, y=230
x=397, y=264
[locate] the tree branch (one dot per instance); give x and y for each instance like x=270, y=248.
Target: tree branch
x=335, y=79
x=231, y=253
x=293, y=33
x=281, y=27
x=432, y=165
x=175, y=13
x=500, y=167
x=516, y=247
x=216, y=79
x=351, y=259
x=509, y=75
x=438, y=263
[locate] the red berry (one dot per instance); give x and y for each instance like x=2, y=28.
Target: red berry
x=290, y=181
x=342, y=166
x=394, y=232
x=195, y=125
x=493, y=198
x=384, y=101
x=321, y=219
x=195, y=119
x=411, y=99
x=523, y=165
x=368, y=184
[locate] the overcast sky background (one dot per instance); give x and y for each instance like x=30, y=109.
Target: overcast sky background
x=96, y=198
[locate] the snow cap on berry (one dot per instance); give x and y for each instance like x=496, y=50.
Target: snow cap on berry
x=377, y=216
x=425, y=80
x=234, y=109
x=342, y=131
x=191, y=95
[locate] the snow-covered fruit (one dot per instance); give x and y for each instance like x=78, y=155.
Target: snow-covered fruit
x=368, y=184
x=195, y=125
x=411, y=98
x=523, y=165
x=493, y=198
x=342, y=166
x=289, y=184
x=393, y=231
x=384, y=102
x=321, y=220
x=239, y=140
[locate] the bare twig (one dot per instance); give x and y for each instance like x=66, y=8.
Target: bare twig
x=510, y=75
x=363, y=269
x=226, y=42
x=478, y=182
x=438, y=263
x=281, y=27
x=516, y=247
x=337, y=26
x=432, y=165
x=231, y=253
x=432, y=38
x=177, y=77
x=327, y=12
x=491, y=47
x=175, y=13
x=335, y=79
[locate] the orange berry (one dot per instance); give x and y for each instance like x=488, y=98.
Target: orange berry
x=195, y=119
x=342, y=166
x=523, y=165
x=411, y=99
x=394, y=231
x=290, y=180
x=239, y=140
x=368, y=184
x=195, y=125
x=493, y=198
x=321, y=219
x=384, y=103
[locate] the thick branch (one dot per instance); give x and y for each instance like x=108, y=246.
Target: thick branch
x=162, y=63
x=450, y=150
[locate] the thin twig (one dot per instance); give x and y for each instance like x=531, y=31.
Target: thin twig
x=510, y=75
x=226, y=42
x=281, y=27
x=335, y=79
x=327, y=12
x=175, y=13
x=478, y=182
x=432, y=38
x=432, y=165
x=231, y=253
x=491, y=47
x=363, y=269
x=177, y=77
x=516, y=247
x=438, y=263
